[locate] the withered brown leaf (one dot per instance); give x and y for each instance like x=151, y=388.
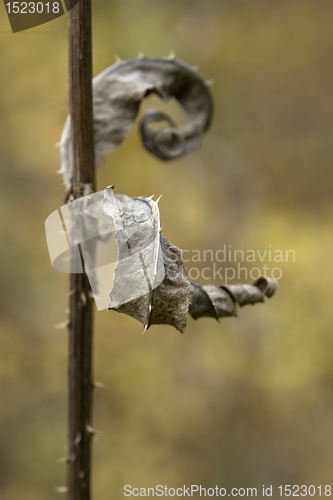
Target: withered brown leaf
x=150, y=280
x=220, y=301
x=117, y=94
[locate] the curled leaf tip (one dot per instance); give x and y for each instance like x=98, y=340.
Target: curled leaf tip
x=117, y=94
x=220, y=301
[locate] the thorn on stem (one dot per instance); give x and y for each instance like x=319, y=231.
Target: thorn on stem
x=98, y=385
x=61, y=489
x=91, y=430
x=63, y=325
x=78, y=438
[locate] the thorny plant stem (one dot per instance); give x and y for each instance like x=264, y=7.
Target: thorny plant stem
x=81, y=301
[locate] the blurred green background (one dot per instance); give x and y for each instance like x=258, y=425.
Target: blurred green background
x=242, y=403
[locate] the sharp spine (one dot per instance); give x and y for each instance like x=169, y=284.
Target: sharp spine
x=61, y=489
x=78, y=438
x=210, y=82
x=98, y=385
x=63, y=325
x=91, y=430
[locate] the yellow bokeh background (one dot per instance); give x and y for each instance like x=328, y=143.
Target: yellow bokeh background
x=241, y=403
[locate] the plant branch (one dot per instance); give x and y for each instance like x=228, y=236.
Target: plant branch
x=81, y=301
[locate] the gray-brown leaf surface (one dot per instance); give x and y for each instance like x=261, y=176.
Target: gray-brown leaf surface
x=137, y=233
x=168, y=303
x=220, y=301
x=117, y=94
x=150, y=282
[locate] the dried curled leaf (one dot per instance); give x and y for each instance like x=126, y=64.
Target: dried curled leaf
x=168, y=303
x=150, y=282
x=170, y=299
x=220, y=301
x=117, y=94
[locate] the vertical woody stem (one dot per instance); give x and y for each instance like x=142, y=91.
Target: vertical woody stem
x=81, y=302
